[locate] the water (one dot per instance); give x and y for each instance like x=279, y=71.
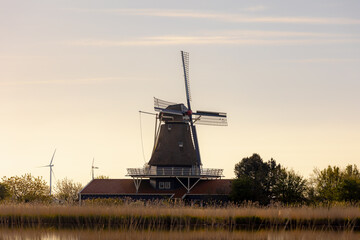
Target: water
x=40, y=234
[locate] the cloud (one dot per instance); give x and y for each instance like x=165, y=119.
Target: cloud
x=326, y=60
x=79, y=81
x=226, y=37
x=225, y=17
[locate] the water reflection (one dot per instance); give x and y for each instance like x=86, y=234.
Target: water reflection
x=28, y=234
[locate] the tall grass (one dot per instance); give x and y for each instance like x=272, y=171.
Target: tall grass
x=159, y=216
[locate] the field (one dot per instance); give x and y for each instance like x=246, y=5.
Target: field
x=134, y=220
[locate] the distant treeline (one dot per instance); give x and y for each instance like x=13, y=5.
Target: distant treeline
x=28, y=188
x=256, y=181
x=269, y=182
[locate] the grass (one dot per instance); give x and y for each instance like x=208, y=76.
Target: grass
x=135, y=216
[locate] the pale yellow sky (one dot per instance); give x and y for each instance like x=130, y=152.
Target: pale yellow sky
x=75, y=74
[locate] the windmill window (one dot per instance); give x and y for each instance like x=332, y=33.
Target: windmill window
x=161, y=185
x=167, y=185
x=169, y=127
x=181, y=144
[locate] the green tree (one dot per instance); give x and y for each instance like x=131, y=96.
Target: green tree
x=254, y=179
x=253, y=167
x=335, y=184
x=265, y=182
x=327, y=184
x=67, y=191
x=290, y=188
x=102, y=177
x=272, y=179
x=27, y=188
x=4, y=192
x=350, y=190
x=245, y=189
x=350, y=186
x=351, y=171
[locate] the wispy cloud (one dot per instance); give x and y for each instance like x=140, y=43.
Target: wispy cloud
x=229, y=38
x=326, y=60
x=79, y=81
x=226, y=17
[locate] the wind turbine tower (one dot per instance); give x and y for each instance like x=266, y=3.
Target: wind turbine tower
x=93, y=168
x=51, y=171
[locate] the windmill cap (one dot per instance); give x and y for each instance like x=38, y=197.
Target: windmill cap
x=178, y=107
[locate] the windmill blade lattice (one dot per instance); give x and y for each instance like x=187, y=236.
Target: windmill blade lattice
x=185, y=58
x=161, y=104
x=210, y=118
x=182, y=113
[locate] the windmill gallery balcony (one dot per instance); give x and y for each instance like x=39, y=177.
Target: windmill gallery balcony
x=175, y=172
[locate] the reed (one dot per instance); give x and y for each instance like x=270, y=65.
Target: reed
x=170, y=217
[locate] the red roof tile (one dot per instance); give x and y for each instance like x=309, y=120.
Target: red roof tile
x=127, y=186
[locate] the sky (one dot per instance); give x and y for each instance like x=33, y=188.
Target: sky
x=74, y=75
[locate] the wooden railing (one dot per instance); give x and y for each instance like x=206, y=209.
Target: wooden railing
x=175, y=171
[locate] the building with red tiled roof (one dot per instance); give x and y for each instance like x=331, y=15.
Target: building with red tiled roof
x=125, y=188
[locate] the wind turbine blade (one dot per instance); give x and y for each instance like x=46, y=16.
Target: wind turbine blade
x=44, y=166
x=93, y=162
x=53, y=157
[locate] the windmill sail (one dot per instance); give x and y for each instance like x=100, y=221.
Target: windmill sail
x=177, y=142
x=210, y=118
x=185, y=59
x=163, y=106
x=158, y=103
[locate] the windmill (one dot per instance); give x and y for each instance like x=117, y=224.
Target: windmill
x=175, y=114
x=175, y=160
x=93, y=168
x=51, y=171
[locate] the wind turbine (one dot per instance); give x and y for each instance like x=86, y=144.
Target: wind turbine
x=92, y=168
x=51, y=171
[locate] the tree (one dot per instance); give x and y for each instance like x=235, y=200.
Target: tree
x=265, y=182
x=4, y=192
x=102, y=177
x=351, y=171
x=290, y=188
x=27, y=188
x=327, y=184
x=245, y=189
x=255, y=179
x=67, y=191
x=272, y=178
x=252, y=167
x=350, y=186
x=350, y=190
x=335, y=184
